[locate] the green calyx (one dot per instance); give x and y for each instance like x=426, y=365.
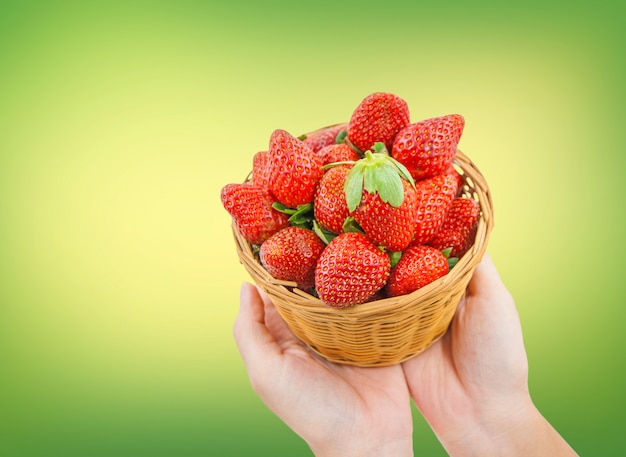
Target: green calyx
x=325, y=235
x=452, y=261
x=302, y=216
x=394, y=257
x=379, y=173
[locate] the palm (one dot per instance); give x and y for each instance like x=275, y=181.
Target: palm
x=321, y=400
x=481, y=358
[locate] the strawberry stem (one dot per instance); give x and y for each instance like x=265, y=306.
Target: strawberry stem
x=328, y=166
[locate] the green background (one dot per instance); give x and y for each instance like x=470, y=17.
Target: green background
x=121, y=121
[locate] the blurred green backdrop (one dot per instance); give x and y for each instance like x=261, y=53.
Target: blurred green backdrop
x=121, y=121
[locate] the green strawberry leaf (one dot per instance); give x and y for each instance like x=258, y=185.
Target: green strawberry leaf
x=303, y=216
x=369, y=180
x=380, y=148
x=404, y=172
x=394, y=257
x=353, y=187
x=452, y=261
x=325, y=235
x=341, y=137
x=278, y=206
x=351, y=225
x=389, y=185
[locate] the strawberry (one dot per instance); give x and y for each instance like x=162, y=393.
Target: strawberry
x=386, y=225
x=317, y=140
x=381, y=197
x=251, y=209
x=418, y=266
x=350, y=270
x=329, y=204
x=261, y=169
x=291, y=255
x=457, y=177
x=434, y=197
x=459, y=227
x=427, y=148
x=294, y=169
x=337, y=153
x=378, y=118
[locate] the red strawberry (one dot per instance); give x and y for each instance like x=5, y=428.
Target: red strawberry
x=251, y=209
x=317, y=140
x=378, y=118
x=427, y=148
x=434, y=197
x=387, y=225
x=294, y=169
x=457, y=177
x=418, y=266
x=382, y=199
x=350, y=270
x=329, y=205
x=261, y=169
x=459, y=227
x=337, y=153
x=291, y=255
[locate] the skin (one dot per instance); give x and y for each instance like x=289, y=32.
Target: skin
x=338, y=410
x=471, y=385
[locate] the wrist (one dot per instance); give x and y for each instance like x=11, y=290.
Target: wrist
x=510, y=431
x=489, y=431
x=398, y=448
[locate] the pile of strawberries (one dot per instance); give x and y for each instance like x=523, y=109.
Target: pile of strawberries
x=359, y=211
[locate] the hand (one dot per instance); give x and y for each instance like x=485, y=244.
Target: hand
x=472, y=385
x=339, y=410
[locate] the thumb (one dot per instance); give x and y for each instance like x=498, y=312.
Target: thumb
x=254, y=341
x=486, y=279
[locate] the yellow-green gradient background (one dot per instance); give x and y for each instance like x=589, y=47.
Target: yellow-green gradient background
x=120, y=121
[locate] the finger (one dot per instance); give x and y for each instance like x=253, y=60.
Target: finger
x=276, y=324
x=254, y=341
x=485, y=278
x=272, y=317
x=489, y=309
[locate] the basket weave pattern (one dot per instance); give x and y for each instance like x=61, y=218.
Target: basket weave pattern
x=383, y=332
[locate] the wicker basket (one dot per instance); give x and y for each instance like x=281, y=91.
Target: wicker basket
x=383, y=332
